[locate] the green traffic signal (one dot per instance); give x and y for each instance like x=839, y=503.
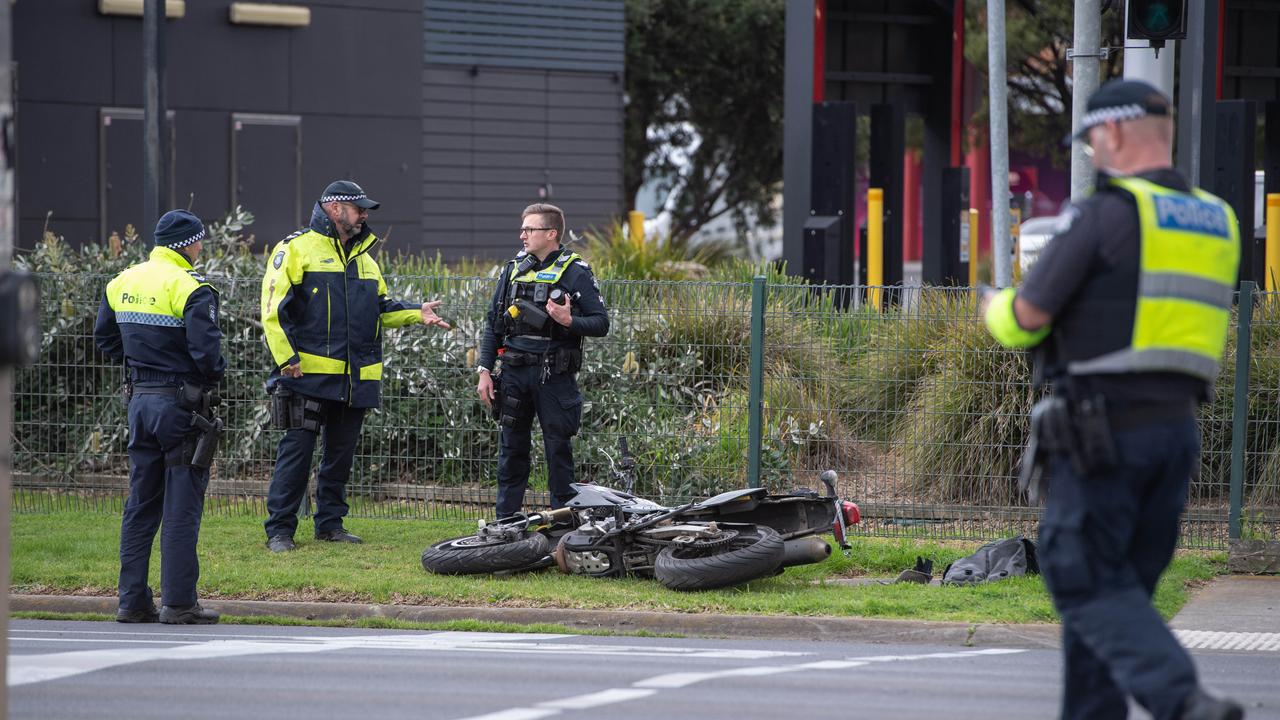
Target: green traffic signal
x=1157, y=20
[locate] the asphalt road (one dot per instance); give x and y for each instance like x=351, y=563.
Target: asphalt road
x=106, y=670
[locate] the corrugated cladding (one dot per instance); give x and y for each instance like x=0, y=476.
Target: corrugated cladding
x=514, y=130
x=544, y=34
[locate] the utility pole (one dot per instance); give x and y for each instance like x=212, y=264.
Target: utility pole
x=6, y=373
x=997, y=92
x=1085, y=70
x=154, y=135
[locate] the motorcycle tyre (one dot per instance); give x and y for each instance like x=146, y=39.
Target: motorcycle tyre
x=730, y=565
x=450, y=558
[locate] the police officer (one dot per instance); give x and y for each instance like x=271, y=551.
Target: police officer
x=1128, y=308
x=545, y=302
x=324, y=305
x=161, y=318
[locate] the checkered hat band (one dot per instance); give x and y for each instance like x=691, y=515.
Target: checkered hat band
x=183, y=243
x=1118, y=113
x=342, y=198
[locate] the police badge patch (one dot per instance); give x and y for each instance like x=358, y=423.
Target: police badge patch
x=278, y=260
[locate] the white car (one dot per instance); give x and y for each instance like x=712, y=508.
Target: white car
x=1033, y=235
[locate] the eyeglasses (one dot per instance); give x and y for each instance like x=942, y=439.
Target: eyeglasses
x=530, y=231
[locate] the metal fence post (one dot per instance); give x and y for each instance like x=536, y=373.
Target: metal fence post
x=1240, y=406
x=755, y=402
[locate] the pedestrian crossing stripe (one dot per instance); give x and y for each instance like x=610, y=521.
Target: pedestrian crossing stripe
x=1215, y=640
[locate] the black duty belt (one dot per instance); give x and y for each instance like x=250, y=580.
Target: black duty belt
x=1134, y=414
x=167, y=390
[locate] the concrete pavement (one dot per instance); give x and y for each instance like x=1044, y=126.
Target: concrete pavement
x=1232, y=612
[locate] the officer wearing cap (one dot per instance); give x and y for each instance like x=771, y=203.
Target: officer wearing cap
x=545, y=302
x=1127, y=309
x=324, y=306
x=160, y=318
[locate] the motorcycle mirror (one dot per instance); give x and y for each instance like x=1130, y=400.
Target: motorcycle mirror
x=829, y=478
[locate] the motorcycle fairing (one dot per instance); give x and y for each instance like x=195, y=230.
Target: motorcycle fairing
x=591, y=496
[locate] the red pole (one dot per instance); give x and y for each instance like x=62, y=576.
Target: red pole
x=957, y=78
x=1222, y=22
x=819, y=50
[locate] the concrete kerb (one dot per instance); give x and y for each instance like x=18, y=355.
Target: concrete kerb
x=982, y=635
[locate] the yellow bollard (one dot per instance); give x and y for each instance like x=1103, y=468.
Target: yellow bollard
x=635, y=227
x=875, y=245
x=1015, y=228
x=1273, y=240
x=973, y=247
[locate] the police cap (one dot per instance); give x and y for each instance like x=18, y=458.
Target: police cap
x=347, y=191
x=178, y=229
x=1120, y=100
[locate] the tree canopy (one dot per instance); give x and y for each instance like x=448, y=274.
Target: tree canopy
x=704, y=107
x=1037, y=36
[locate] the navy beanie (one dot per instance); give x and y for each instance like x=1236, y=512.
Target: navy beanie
x=178, y=229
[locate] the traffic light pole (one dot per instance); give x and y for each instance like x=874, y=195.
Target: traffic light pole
x=1085, y=68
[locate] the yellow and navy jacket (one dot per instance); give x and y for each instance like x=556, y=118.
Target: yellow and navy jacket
x=324, y=306
x=161, y=318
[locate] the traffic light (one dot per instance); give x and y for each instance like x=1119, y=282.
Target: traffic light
x=1157, y=20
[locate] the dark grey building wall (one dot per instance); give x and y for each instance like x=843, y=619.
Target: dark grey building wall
x=521, y=103
x=352, y=79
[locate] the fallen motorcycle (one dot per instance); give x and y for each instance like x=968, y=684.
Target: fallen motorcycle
x=725, y=540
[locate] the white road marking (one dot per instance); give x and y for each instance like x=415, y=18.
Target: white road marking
x=30, y=668
x=25, y=669
x=604, y=697
x=680, y=680
x=1214, y=640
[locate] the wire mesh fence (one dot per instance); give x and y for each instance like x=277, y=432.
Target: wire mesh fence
x=922, y=415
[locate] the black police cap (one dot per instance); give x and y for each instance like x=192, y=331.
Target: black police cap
x=347, y=191
x=1120, y=100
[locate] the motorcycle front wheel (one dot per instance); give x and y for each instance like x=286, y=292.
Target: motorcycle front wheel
x=472, y=555
x=753, y=554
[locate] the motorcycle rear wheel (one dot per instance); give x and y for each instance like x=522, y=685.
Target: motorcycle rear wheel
x=471, y=555
x=753, y=554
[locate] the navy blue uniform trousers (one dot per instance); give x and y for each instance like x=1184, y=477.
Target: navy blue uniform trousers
x=341, y=431
x=557, y=403
x=1104, y=541
x=172, y=495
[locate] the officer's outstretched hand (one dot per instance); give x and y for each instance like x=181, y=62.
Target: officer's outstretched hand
x=561, y=313
x=484, y=388
x=429, y=316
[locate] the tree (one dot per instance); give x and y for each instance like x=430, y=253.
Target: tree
x=1038, y=35
x=704, y=107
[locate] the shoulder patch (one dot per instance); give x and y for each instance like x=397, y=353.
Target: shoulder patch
x=583, y=263
x=294, y=234
x=278, y=260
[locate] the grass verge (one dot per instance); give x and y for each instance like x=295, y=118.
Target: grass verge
x=70, y=552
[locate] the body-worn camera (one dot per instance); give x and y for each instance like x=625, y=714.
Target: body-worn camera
x=19, y=319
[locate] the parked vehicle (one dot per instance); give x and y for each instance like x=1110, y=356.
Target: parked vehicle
x=725, y=540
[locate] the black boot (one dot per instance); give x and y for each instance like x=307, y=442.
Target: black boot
x=1202, y=706
x=189, y=615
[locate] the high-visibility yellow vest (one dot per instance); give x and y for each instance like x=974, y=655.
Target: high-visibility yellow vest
x=1190, y=255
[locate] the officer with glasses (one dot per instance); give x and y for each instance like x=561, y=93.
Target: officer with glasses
x=545, y=302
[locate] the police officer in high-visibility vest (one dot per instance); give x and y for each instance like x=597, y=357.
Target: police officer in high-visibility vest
x=545, y=302
x=1127, y=309
x=324, y=306
x=161, y=318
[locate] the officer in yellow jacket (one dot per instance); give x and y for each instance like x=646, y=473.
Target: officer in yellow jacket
x=160, y=318
x=324, y=306
x=1128, y=309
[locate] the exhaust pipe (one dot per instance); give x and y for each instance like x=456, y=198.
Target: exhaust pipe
x=805, y=551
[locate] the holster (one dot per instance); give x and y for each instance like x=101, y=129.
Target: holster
x=290, y=410
x=495, y=405
x=200, y=445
